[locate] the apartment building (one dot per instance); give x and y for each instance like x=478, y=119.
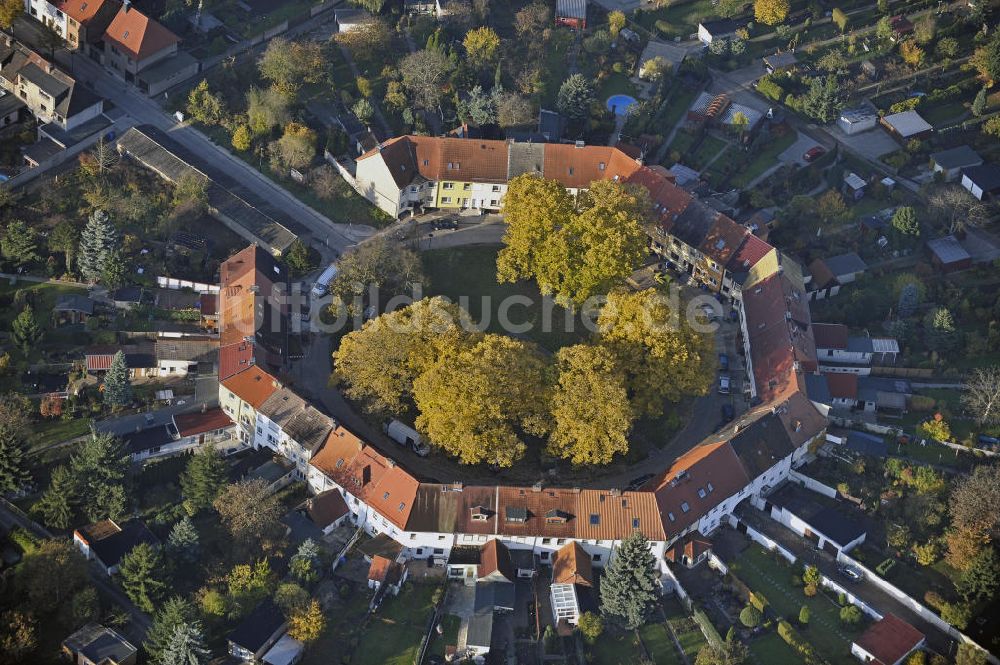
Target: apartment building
x=52, y=95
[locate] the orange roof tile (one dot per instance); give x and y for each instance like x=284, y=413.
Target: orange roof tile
x=612, y=515
x=495, y=558
x=384, y=571
x=137, y=34
x=572, y=565
x=253, y=385
x=189, y=424
x=81, y=10
x=549, y=512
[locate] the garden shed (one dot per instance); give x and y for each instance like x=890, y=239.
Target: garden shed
x=907, y=125
x=857, y=120
x=948, y=255
x=951, y=162
x=572, y=13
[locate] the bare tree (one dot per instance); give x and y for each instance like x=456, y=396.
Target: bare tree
x=105, y=157
x=975, y=502
x=513, y=110
x=424, y=74
x=249, y=511
x=960, y=209
x=982, y=395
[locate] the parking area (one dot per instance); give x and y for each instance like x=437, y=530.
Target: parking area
x=794, y=154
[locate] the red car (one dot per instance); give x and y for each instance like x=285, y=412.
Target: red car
x=813, y=153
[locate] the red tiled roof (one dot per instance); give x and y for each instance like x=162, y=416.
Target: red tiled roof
x=495, y=557
x=252, y=385
x=326, y=508
x=822, y=276
x=890, y=639
x=189, y=424
x=830, y=335
x=137, y=34
x=235, y=358
x=607, y=514
x=750, y=252
x=692, y=545
x=843, y=386
x=572, y=565
x=551, y=512
x=81, y=10
x=723, y=240
x=384, y=571
x=98, y=362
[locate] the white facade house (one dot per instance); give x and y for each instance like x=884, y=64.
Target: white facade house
x=48, y=14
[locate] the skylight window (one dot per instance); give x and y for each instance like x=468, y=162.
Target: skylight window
x=125, y=36
x=710, y=487
x=685, y=507
x=701, y=493
x=595, y=519
x=385, y=496
x=635, y=522
x=671, y=516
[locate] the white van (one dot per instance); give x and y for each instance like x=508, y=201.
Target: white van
x=405, y=435
x=322, y=284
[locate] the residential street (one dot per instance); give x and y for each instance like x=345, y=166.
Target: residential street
x=142, y=110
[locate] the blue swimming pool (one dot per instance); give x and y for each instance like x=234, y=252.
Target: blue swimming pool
x=620, y=104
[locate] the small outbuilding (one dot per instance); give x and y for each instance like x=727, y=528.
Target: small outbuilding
x=107, y=543
x=889, y=641
x=982, y=181
x=95, y=644
x=780, y=62
x=948, y=255
x=907, y=125
x=951, y=162
x=854, y=186
x=257, y=633
x=572, y=13
x=73, y=308
x=351, y=18
x=709, y=31
x=857, y=120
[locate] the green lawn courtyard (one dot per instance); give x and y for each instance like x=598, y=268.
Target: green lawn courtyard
x=392, y=635
x=760, y=571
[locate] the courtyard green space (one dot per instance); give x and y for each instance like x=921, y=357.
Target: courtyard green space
x=760, y=571
x=770, y=648
x=468, y=276
x=616, y=649
x=393, y=634
x=660, y=645
x=449, y=625
x=689, y=635
x=680, y=19
x=764, y=159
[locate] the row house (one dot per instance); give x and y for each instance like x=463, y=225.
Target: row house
x=241, y=395
x=409, y=173
x=839, y=351
x=81, y=23
x=291, y=426
x=52, y=95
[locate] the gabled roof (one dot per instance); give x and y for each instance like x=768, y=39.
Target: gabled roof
x=82, y=10
x=761, y=445
x=610, y=514
x=692, y=546
x=253, y=385
x=189, y=424
x=842, y=385
x=326, y=508
x=954, y=158
x=572, y=565
x=723, y=240
x=830, y=335
x=495, y=558
x=890, y=639
x=845, y=264
x=986, y=176
x=384, y=571
x=137, y=34
x=110, y=542
x=299, y=419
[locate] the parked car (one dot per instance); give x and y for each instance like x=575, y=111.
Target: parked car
x=852, y=574
x=639, y=481
x=724, y=382
x=724, y=362
x=727, y=413
x=988, y=440
x=813, y=153
x=444, y=224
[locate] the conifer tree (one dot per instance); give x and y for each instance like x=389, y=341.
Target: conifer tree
x=56, y=504
x=117, y=383
x=97, y=241
x=183, y=541
x=25, y=329
x=202, y=480
x=142, y=576
x=174, y=612
x=629, y=590
x=186, y=646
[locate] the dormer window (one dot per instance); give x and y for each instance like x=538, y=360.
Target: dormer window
x=516, y=514
x=480, y=514
x=556, y=517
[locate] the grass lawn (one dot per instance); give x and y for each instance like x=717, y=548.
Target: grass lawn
x=682, y=145
x=393, y=635
x=674, y=109
x=555, y=67
x=706, y=151
x=944, y=114
x=660, y=645
x=682, y=18
x=450, y=624
x=764, y=159
x=467, y=275
x=616, y=84
x=761, y=572
x=53, y=431
x=689, y=635
x=621, y=649
x=772, y=649
x=343, y=622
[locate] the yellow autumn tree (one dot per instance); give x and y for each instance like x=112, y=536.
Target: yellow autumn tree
x=590, y=408
x=662, y=357
x=475, y=401
x=481, y=45
x=378, y=364
x=307, y=624
x=572, y=251
x=911, y=53
x=771, y=12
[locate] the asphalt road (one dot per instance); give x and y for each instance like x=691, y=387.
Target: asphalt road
x=143, y=110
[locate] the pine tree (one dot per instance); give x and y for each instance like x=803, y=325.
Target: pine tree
x=99, y=468
x=305, y=562
x=25, y=329
x=183, y=541
x=115, y=273
x=14, y=430
x=909, y=298
x=904, y=221
x=97, y=241
x=630, y=587
x=186, y=646
x=56, y=504
x=141, y=573
x=202, y=480
x=117, y=383
x=174, y=612
x=979, y=103
x=576, y=95
x=941, y=334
